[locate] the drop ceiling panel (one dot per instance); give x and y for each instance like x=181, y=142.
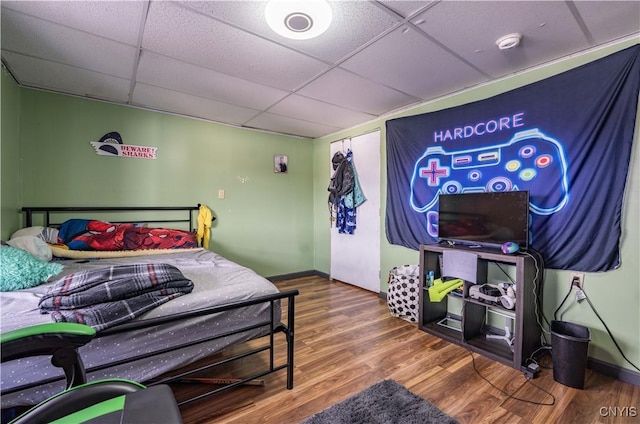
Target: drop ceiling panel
x=183, y=34
x=287, y=125
x=319, y=112
x=66, y=79
x=219, y=60
x=601, y=16
x=354, y=24
x=346, y=89
x=549, y=30
x=117, y=20
x=409, y=62
x=171, y=101
x=45, y=40
x=170, y=73
x=407, y=8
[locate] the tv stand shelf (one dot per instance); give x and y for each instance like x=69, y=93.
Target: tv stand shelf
x=472, y=335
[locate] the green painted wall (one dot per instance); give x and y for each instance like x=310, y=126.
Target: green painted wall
x=615, y=294
x=265, y=221
x=9, y=154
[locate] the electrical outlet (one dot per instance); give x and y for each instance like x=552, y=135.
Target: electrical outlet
x=577, y=279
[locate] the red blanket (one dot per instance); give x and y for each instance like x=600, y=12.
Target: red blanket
x=84, y=234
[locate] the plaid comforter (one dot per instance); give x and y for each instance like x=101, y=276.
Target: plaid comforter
x=104, y=297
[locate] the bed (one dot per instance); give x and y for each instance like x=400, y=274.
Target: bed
x=228, y=305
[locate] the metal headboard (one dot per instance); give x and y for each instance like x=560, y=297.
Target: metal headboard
x=49, y=211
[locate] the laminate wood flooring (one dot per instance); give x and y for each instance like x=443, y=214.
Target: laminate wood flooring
x=346, y=340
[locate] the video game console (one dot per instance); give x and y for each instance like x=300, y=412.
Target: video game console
x=501, y=295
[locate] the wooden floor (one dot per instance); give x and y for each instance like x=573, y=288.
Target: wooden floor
x=346, y=340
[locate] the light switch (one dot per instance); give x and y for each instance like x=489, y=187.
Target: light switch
x=220, y=194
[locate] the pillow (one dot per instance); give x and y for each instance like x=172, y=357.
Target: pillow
x=34, y=245
x=19, y=269
x=47, y=234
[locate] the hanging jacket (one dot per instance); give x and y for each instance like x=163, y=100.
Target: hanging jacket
x=356, y=197
x=342, y=181
x=204, y=226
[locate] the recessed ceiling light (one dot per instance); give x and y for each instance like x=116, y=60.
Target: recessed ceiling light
x=509, y=41
x=299, y=20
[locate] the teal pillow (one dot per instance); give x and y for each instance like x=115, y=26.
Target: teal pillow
x=19, y=269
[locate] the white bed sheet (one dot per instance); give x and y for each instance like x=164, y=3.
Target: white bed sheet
x=217, y=281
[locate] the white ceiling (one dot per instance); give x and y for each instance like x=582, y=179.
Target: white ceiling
x=220, y=61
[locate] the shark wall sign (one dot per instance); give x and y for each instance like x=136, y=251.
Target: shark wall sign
x=111, y=144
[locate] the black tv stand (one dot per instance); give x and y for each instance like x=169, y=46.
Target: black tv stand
x=468, y=328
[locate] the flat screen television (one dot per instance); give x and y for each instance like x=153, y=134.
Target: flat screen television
x=484, y=219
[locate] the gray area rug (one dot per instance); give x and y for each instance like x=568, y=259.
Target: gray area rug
x=385, y=402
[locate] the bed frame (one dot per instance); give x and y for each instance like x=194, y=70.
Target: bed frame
x=274, y=325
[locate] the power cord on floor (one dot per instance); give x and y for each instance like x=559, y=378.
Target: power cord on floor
x=532, y=358
x=511, y=395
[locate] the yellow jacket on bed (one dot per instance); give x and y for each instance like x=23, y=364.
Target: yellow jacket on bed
x=204, y=226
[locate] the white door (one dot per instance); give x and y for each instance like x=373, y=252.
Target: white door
x=355, y=258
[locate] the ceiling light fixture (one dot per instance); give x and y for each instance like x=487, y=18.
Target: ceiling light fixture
x=299, y=20
x=509, y=41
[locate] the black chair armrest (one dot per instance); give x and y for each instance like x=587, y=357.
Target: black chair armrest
x=58, y=340
x=44, y=339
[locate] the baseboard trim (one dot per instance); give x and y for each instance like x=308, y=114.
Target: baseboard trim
x=615, y=371
x=300, y=274
x=321, y=274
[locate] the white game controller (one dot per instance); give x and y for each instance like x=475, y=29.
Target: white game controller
x=508, y=298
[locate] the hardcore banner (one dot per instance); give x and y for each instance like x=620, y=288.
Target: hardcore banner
x=566, y=139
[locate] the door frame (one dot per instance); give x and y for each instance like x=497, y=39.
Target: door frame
x=341, y=267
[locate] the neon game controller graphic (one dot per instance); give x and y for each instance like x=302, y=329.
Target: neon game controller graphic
x=529, y=161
